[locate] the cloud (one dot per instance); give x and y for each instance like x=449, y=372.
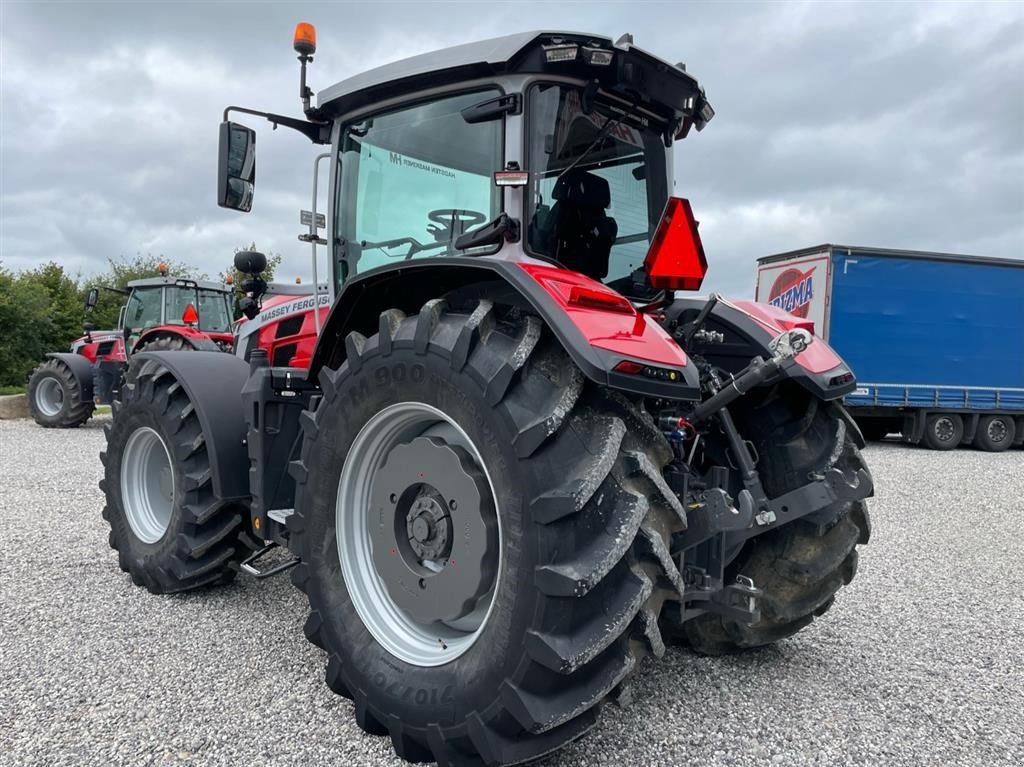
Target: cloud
x=894, y=125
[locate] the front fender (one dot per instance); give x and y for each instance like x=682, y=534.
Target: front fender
x=596, y=339
x=81, y=368
x=213, y=382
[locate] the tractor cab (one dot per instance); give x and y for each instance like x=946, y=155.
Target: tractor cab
x=176, y=305
x=538, y=146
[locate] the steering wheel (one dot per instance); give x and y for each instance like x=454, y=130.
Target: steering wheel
x=449, y=223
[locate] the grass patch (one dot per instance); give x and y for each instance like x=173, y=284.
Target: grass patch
x=4, y=390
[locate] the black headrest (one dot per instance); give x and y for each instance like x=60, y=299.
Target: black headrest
x=582, y=188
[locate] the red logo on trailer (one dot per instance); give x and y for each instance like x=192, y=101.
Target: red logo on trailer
x=792, y=291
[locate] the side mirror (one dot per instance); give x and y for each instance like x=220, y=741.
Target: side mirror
x=91, y=298
x=236, y=166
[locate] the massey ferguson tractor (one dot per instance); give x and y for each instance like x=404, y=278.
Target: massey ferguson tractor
x=162, y=312
x=511, y=460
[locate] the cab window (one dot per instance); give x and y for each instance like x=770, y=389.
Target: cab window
x=144, y=307
x=414, y=179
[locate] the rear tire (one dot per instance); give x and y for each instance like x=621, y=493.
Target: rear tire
x=943, y=431
x=581, y=567
x=55, y=397
x=170, y=532
x=995, y=433
x=801, y=566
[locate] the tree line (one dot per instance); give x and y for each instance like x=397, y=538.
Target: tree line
x=43, y=309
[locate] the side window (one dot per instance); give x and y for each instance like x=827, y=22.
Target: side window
x=144, y=308
x=413, y=180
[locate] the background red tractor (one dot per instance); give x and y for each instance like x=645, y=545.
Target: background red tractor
x=169, y=313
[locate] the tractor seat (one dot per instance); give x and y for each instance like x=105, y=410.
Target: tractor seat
x=576, y=231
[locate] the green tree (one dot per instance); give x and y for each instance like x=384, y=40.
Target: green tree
x=25, y=327
x=64, y=299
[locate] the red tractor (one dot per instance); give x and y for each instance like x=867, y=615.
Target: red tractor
x=511, y=460
x=162, y=312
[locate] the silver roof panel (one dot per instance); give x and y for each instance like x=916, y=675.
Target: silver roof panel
x=493, y=52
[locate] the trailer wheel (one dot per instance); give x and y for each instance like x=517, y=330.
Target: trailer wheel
x=55, y=397
x=800, y=566
x=170, y=532
x=482, y=534
x=995, y=433
x=943, y=431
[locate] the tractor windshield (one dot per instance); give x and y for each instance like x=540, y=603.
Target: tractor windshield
x=597, y=187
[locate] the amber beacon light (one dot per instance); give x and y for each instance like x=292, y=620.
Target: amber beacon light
x=305, y=39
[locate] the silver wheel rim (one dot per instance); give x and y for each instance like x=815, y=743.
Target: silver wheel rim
x=417, y=643
x=49, y=396
x=147, y=485
x=997, y=430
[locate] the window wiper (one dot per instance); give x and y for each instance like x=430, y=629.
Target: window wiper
x=610, y=123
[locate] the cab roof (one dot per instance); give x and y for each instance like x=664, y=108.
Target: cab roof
x=643, y=75
x=149, y=282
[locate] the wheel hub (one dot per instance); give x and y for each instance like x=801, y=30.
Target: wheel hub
x=997, y=430
x=944, y=429
x=429, y=527
x=433, y=530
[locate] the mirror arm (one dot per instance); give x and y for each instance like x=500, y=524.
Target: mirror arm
x=504, y=227
x=317, y=132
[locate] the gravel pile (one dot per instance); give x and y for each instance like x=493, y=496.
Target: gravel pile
x=921, y=660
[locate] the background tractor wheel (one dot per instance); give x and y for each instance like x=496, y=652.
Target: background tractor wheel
x=55, y=398
x=943, y=431
x=492, y=594
x=168, y=344
x=170, y=532
x=799, y=566
x=995, y=433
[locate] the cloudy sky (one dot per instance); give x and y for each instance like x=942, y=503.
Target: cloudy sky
x=889, y=124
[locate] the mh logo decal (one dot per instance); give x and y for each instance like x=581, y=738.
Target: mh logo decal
x=793, y=291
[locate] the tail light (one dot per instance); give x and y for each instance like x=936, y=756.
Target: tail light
x=675, y=260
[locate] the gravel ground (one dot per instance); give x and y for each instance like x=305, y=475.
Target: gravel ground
x=919, y=662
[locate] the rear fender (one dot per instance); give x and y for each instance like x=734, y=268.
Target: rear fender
x=81, y=368
x=748, y=328
x=213, y=382
x=596, y=339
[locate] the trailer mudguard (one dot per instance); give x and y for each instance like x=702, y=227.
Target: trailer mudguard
x=80, y=368
x=740, y=330
x=598, y=328
x=213, y=382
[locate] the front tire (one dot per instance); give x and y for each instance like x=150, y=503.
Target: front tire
x=170, y=532
x=55, y=397
x=577, y=569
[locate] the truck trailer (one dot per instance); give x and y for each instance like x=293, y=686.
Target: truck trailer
x=936, y=340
